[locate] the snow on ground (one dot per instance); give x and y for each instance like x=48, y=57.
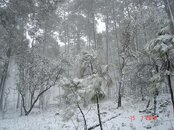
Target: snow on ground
x=49, y=120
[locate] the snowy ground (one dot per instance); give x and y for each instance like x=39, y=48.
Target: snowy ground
x=49, y=120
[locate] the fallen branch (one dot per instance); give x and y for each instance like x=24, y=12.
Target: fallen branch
x=93, y=127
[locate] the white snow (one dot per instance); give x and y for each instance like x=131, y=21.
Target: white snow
x=52, y=119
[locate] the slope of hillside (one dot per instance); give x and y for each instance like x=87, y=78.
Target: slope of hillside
x=115, y=119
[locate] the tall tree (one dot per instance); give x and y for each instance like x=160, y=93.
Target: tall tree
x=13, y=16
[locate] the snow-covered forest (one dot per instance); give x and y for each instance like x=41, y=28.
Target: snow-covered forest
x=86, y=64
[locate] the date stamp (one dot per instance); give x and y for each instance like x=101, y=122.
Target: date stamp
x=148, y=118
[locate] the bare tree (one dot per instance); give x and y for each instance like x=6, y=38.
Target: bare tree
x=49, y=82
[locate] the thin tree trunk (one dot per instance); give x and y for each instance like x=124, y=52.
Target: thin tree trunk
x=156, y=92
x=3, y=78
x=45, y=40
x=18, y=101
x=21, y=107
x=98, y=110
x=41, y=100
x=2, y=84
x=65, y=31
x=113, y=62
x=142, y=94
x=119, y=95
x=117, y=47
x=169, y=14
x=94, y=31
x=155, y=103
x=169, y=80
x=60, y=100
x=78, y=45
x=107, y=44
x=89, y=37
x=68, y=42
x=93, y=23
x=143, y=26
x=148, y=103
x=84, y=119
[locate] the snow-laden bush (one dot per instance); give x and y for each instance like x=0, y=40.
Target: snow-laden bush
x=162, y=44
x=161, y=51
x=93, y=79
x=82, y=90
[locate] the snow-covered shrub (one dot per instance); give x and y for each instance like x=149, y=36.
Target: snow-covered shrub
x=154, y=83
x=82, y=90
x=88, y=62
x=161, y=51
x=93, y=79
x=162, y=44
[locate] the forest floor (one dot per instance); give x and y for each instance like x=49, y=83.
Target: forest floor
x=127, y=117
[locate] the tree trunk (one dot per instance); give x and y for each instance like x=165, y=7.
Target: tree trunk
x=89, y=27
x=156, y=91
x=45, y=40
x=84, y=119
x=155, y=102
x=98, y=110
x=119, y=95
x=78, y=45
x=118, y=56
x=65, y=33
x=68, y=42
x=41, y=100
x=3, y=78
x=93, y=23
x=148, y=103
x=2, y=84
x=18, y=101
x=142, y=94
x=94, y=31
x=27, y=112
x=169, y=8
x=107, y=44
x=169, y=80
